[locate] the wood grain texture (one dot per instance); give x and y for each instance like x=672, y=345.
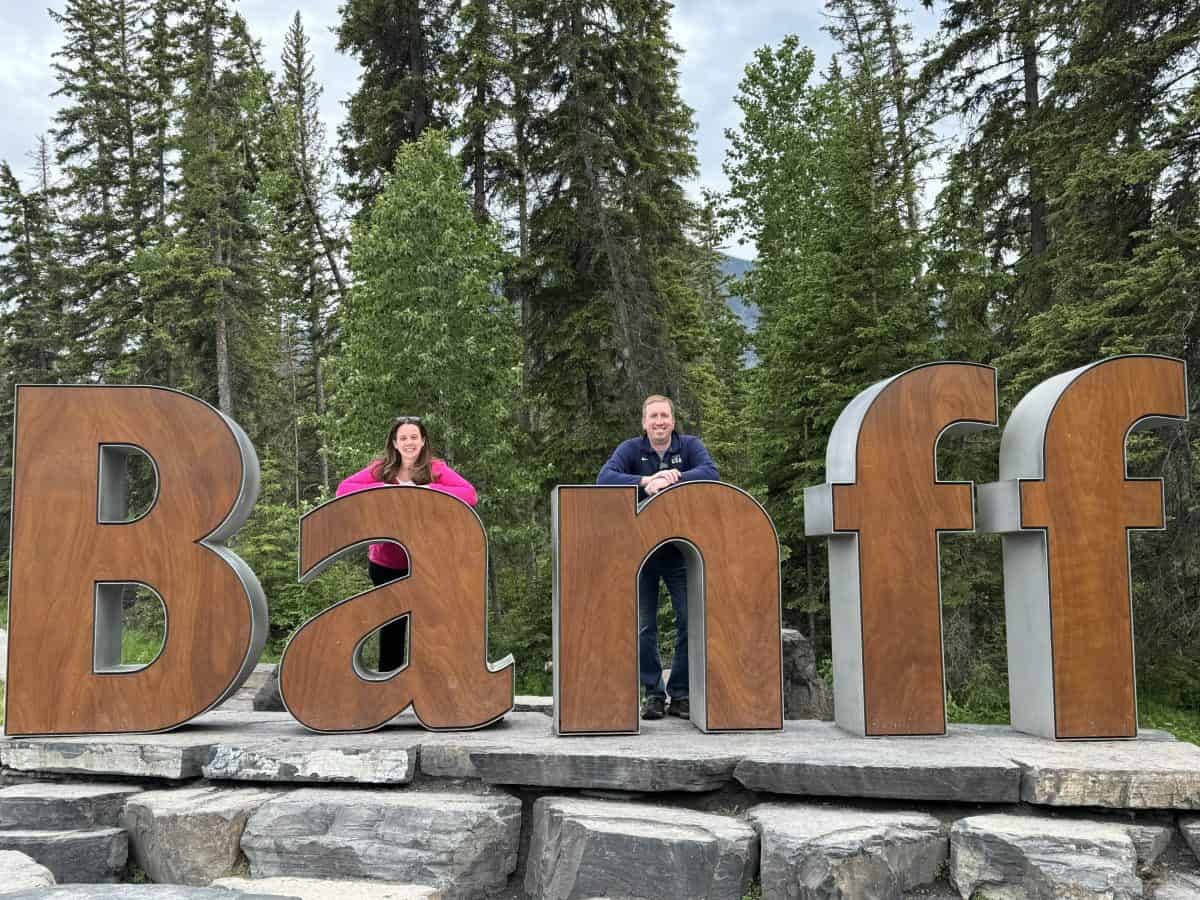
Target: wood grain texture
x=898, y=509
x=60, y=551
x=447, y=680
x=1086, y=504
x=602, y=541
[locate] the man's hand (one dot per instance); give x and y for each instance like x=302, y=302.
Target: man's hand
x=664, y=479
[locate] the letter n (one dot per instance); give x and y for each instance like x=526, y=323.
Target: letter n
x=1066, y=507
x=73, y=552
x=601, y=540
x=884, y=508
x=447, y=679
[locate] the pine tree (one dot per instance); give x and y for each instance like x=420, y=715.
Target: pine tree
x=104, y=162
x=402, y=46
x=303, y=268
x=836, y=280
x=33, y=346
x=484, y=68
x=610, y=150
x=209, y=273
x=990, y=66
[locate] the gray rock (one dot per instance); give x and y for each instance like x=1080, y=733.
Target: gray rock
x=190, y=835
x=818, y=852
x=962, y=769
x=1139, y=774
x=267, y=698
x=19, y=872
x=1149, y=842
x=316, y=889
x=1175, y=886
x=313, y=761
x=594, y=848
x=531, y=703
x=137, y=892
x=1028, y=858
x=87, y=857
x=462, y=843
x=244, y=699
x=806, y=695
x=1189, y=827
x=174, y=755
x=45, y=806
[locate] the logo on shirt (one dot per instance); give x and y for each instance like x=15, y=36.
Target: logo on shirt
x=676, y=460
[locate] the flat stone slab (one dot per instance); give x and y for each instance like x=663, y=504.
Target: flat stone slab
x=46, y=806
x=825, y=852
x=316, y=889
x=87, y=857
x=20, y=872
x=962, y=769
x=190, y=835
x=595, y=848
x=669, y=755
x=355, y=759
x=463, y=843
x=137, y=892
x=1007, y=857
x=1115, y=774
x=174, y=755
x=972, y=763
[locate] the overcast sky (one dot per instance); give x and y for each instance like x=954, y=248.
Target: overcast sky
x=718, y=38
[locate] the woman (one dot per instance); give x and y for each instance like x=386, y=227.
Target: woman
x=407, y=459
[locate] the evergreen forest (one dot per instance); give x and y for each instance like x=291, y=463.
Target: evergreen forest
x=505, y=238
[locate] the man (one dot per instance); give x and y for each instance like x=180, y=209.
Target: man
x=655, y=461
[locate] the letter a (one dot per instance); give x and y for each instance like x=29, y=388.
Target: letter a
x=884, y=508
x=601, y=539
x=1065, y=508
x=73, y=553
x=447, y=679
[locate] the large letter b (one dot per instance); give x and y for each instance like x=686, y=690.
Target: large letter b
x=72, y=552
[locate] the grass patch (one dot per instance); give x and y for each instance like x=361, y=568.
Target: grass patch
x=1183, y=723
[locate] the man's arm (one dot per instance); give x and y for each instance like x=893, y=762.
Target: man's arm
x=702, y=468
x=617, y=469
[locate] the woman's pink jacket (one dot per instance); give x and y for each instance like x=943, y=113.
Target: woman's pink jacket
x=445, y=479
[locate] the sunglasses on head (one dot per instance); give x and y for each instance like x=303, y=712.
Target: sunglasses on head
x=407, y=420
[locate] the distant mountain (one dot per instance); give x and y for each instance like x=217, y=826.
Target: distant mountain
x=745, y=311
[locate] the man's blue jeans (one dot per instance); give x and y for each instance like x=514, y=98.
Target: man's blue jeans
x=667, y=563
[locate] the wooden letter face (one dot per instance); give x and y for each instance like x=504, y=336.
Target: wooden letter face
x=448, y=680
x=72, y=552
x=601, y=539
x=1065, y=508
x=884, y=508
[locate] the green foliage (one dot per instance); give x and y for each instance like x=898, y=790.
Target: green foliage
x=837, y=275
x=402, y=90
x=425, y=332
x=611, y=317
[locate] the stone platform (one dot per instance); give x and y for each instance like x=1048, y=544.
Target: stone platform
x=971, y=764
x=512, y=811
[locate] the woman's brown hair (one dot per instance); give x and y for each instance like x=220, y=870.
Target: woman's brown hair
x=390, y=463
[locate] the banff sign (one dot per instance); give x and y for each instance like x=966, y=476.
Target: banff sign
x=1064, y=505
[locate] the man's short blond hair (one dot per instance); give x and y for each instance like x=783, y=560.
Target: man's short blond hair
x=657, y=398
